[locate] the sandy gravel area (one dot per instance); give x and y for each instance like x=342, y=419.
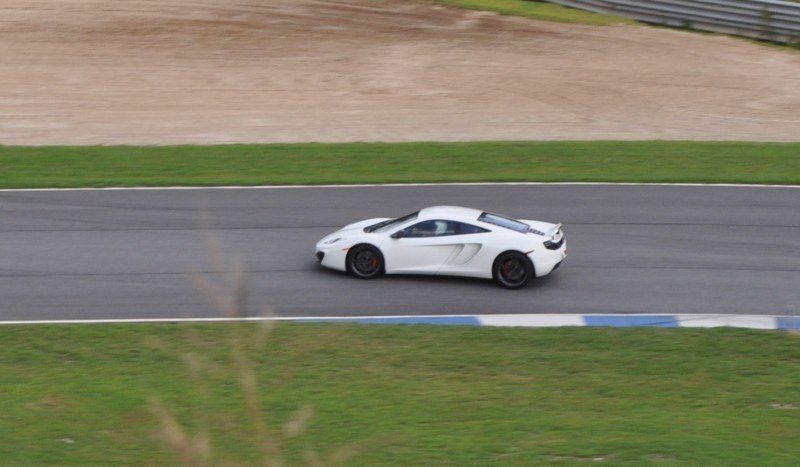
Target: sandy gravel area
x=223, y=71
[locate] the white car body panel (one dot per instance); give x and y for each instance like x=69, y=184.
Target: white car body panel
x=418, y=255
x=447, y=252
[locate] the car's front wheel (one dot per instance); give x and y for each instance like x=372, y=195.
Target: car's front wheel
x=512, y=270
x=365, y=262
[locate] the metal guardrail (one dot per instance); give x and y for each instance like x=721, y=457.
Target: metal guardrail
x=771, y=20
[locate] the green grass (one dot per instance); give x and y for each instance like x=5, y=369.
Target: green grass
x=293, y=164
x=403, y=395
x=538, y=10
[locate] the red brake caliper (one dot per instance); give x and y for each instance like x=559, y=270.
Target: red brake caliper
x=506, y=268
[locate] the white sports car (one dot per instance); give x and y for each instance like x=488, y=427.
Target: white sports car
x=447, y=240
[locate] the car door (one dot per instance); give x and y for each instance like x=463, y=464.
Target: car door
x=421, y=248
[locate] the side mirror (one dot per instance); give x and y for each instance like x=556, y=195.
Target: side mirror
x=399, y=234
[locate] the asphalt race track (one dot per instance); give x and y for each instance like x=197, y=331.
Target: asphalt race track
x=632, y=249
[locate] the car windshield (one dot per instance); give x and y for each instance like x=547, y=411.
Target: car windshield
x=390, y=224
x=504, y=221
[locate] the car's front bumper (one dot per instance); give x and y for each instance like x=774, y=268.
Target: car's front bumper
x=331, y=256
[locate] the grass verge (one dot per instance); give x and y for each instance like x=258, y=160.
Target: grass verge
x=539, y=10
x=404, y=395
x=294, y=164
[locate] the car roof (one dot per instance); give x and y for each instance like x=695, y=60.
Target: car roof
x=450, y=212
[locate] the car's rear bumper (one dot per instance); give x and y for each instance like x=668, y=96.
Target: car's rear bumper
x=546, y=261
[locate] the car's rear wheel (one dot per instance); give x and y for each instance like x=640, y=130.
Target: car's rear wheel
x=512, y=270
x=365, y=262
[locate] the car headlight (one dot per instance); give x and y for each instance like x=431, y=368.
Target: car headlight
x=331, y=241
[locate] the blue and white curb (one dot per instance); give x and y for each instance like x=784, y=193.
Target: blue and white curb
x=608, y=320
x=536, y=321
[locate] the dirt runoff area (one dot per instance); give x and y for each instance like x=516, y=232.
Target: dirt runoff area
x=229, y=71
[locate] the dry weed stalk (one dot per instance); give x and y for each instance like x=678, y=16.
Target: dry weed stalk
x=226, y=290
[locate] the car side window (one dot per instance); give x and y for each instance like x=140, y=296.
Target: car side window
x=464, y=229
x=441, y=228
x=433, y=228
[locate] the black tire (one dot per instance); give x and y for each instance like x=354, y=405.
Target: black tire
x=512, y=270
x=365, y=262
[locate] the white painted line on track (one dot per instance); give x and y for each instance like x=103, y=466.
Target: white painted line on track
x=142, y=320
x=209, y=320
x=376, y=185
x=222, y=320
